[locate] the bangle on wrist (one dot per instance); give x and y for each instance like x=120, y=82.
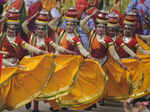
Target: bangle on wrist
x=87, y=55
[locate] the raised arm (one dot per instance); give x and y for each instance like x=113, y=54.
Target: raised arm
x=25, y=27
x=53, y=24
x=26, y=22
x=84, y=26
x=83, y=23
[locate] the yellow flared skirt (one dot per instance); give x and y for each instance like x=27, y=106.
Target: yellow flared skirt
x=62, y=80
x=142, y=44
x=132, y=83
x=19, y=86
x=88, y=88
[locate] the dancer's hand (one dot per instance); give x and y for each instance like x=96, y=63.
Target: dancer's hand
x=123, y=66
x=139, y=59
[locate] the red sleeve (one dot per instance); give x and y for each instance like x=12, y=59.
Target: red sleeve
x=34, y=8
x=29, y=39
x=48, y=40
x=19, y=40
x=2, y=26
x=76, y=39
x=1, y=56
x=59, y=31
x=17, y=4
x=133, y=42
x=119, y=41
x=52, y=34
x=108, y=40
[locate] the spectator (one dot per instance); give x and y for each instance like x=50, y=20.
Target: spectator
x=143, y=9
x=138, y=106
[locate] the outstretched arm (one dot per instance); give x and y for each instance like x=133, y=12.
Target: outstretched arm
x=60, y=49
x=115, y=56
x=129, y=51
x=82, y=50
x=33, y=49
x=141, y=50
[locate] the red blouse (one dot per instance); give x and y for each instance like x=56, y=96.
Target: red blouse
x=99, y=49
x=131, y=44
x=46, y=47
x=71, y=45
x=14, y=50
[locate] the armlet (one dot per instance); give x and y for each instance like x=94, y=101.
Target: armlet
x=24, y=44
x=137, y=45
x=110, y=44
x=122, y=45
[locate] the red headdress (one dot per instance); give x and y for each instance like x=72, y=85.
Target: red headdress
x=71, y=15
x=102, y=17
x=43, y=17
x=13, y=16
x=113, y=20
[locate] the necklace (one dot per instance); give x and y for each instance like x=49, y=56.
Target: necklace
x=100, y=38
x=70, y=36
x=40, y=41
x=126, y=39
x=114, y=38
x=11, y=39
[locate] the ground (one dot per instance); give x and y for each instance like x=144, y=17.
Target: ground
x=108, y=107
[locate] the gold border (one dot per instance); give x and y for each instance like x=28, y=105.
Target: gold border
x=41, y=22
x=89, y=99
x=64, y=91
x=102, y=21
x=122, y=98
x=52, y=69
x=112, y=25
